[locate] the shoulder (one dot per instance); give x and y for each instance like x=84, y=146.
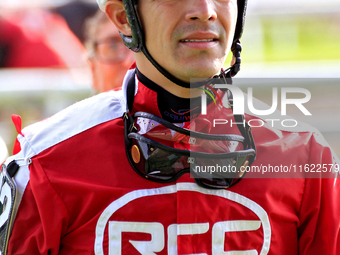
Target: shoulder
x=71, y=121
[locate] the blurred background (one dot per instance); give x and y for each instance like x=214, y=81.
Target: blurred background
x=44, y=66
x=295, y=44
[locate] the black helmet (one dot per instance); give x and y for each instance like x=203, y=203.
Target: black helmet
x=136, y=42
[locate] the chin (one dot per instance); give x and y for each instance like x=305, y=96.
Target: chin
x=207, y=72
x=205, y=69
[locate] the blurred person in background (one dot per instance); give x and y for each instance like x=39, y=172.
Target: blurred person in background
x=108, y=57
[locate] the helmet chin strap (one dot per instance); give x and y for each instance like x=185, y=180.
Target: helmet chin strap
x=236, y=50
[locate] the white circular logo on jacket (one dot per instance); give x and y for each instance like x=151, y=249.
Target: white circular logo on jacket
x=163, y=237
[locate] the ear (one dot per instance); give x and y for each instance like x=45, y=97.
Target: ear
x=115, y=11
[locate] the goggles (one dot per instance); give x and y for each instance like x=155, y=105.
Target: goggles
x=161, y=151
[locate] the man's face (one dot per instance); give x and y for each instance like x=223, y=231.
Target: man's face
x=111, y=60
x=189, y=38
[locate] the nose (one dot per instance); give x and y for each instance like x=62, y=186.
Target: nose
x=203, y=10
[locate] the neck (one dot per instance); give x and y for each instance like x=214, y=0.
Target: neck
x=172, y=108
x=154, y=75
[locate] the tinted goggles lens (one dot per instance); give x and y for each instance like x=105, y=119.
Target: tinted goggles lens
x=162, y=152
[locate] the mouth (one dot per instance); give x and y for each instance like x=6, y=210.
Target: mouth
x=198, y=40
x=199, y=44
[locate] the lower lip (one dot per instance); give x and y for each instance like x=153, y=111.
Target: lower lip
x=200, y=45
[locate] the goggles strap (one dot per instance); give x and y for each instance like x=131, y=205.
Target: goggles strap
x=242, y=125
x=130, y=92
x=128, y=120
